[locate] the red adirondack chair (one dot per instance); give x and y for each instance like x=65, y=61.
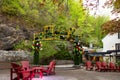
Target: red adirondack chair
x=98, y=66
x=112, y=67
x=26, y=67
x=21, y=74
x=104, y=66
x=50, y=69
x=89, y=65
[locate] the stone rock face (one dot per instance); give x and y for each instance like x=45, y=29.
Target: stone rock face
x=9, y=56
x=10, y=35
x=12, y=31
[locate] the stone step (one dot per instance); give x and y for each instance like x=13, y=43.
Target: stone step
x=5, y=65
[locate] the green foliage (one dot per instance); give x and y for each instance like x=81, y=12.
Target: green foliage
x=62, y=53
x=23, y=45
x=12, y=7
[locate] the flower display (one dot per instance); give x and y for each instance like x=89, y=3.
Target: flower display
x=37, y=45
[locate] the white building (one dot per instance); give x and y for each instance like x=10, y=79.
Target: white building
x=111, y=42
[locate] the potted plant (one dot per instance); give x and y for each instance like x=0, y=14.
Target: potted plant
x=118, y=64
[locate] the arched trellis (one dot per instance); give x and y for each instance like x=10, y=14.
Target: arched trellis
x=50, y=34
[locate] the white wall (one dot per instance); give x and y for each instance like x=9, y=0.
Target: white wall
x=109, y=41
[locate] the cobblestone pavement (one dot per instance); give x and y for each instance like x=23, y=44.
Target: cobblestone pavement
x=70, y=74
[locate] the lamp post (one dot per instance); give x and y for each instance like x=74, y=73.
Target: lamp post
x=77, y=52
x=36, y=47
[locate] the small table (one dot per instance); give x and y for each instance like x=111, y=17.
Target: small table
x=38, y=70
x=36, y=79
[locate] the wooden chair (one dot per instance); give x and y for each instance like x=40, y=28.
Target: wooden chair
x=104, y=66
x=112, y=67
x=26, y=67
x=89, y=65
x=50, y=69
x=20, y=73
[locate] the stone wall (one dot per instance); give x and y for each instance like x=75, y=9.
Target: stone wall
x=63, y=62
x=14, y=56
x=10, y=56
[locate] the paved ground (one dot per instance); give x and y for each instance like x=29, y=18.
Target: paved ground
x=69, y=73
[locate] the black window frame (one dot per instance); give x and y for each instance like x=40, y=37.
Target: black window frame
x=117, y=46
x=119, y=35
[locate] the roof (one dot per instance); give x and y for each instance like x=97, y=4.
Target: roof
x=97, y=54
x=102, y=53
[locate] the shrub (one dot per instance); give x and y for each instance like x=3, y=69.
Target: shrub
x=23, y=45
x=12, y=7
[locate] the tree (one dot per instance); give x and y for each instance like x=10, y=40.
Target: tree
x=113, y=25
x=110, y=26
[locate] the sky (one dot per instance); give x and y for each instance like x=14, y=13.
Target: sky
x=105, y=11
x=100, y=10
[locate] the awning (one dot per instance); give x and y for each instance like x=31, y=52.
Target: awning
x=97, y=54
x=110, y=51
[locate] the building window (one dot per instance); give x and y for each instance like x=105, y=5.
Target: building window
x=119, y=35
x=117, y=46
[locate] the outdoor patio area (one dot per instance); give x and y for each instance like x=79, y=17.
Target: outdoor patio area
x=67, y=72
